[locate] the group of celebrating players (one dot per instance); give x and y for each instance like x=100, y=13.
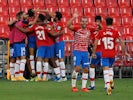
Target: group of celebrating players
x=43, y=30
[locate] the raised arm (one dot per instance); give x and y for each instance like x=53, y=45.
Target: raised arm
x=25, y=30
x=69, y=23
x=12, y=22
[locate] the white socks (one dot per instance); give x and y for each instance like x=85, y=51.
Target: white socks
x=57, y=72
x=39, y=69
x=17, y=67
x=84, y=80
x=74, y=78
x=63, y=69
x=111, y=74
x=32, y=63
x=45, y=69
x=106, y=78
x=92, y=76
x=22, y=66
x=12, y=69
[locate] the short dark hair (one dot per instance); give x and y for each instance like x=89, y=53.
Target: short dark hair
x=31, y=13
x=58, y=15
x=109, y=21
x=41, y=17
x=19, y=14
x=98, y=18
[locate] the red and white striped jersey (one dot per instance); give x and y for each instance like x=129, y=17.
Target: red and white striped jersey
x=81, y=39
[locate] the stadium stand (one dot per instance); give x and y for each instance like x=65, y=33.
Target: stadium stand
x=120, y=10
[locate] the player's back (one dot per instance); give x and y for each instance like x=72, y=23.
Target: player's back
x=108, y=38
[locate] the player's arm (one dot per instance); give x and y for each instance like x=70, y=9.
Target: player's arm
x=25, y=30
x=69, y=23
x=12, y=22
x=34, y=21
x=123, y=46
x=94, y=48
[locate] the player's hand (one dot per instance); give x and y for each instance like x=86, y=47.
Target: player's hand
x=75, y=15
x=127, y=54
x=94, y=55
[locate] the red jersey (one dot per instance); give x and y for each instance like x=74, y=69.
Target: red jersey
x=41, y=34
x=108, y=39
x=81, y=39
x=58, y=26
x=51, y=38
x=30, y=19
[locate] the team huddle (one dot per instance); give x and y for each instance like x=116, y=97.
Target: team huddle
x=43, y=30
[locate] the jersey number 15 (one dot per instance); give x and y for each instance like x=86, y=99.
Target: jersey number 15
x=108, y=42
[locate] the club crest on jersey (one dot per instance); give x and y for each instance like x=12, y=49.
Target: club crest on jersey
x=58, y=27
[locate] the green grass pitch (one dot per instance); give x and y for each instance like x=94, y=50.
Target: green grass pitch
x=62, y=91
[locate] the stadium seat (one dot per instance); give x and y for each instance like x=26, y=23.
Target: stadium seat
x=3, y=10
x=65, y=11
x=91, y=20
x=128, y=30
x=79, y=9
x=38, y=3
x=127, y=21
x=3, y=19
x=120, y=29
x=3, y=2
x=75, y=3
x=126, y=11
x=39, y=7
x=113, y=11
x=52, y=9
x=26, y=2
x=124, y=3
x=89, y=11
x=100, y=3
x=76, y=22
x=111, y=3
x=50, y=3
x=63, y=3
x=116, y=21
x=13, y=10
x=4, y=31
x=25, y=8
x=101, y=11
x=87, y=3
x=132, y=3
x=65, y=19
x=12, y=17
x=13, y=3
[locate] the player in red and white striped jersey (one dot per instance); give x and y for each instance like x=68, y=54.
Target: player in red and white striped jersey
x=80, y=53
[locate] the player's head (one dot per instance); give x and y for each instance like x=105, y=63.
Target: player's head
x=31, y=13
x=98, y=20
x=84, y=22
x=109, y=21
x=41, y=18
x=48, y=17
x=20, y=15
x=57, y=16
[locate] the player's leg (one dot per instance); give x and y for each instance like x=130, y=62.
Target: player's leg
x=22, y=62
x=111, y=72
x=77, y=59
x=45, y=69
x=105, y=64
x=60, y=61
x=94, y=62
x=32, y=47
x=40, y=55
x=85, y=66
x=17, y=51
x=12, y=64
